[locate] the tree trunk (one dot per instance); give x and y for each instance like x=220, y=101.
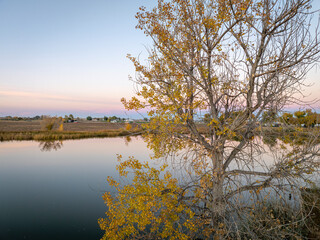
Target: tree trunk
x=218, y=205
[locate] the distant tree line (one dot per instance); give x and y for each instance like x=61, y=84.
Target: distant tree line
x=15, y=118
x=66, y=118
x=107, y=119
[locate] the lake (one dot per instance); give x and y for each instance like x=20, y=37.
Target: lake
x=52, y=190
x=57, y=194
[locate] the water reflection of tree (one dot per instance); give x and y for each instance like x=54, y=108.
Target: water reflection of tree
x=47, y=146
x=127, y=140
x=270, y=140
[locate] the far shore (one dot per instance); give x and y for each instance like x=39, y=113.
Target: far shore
x=32, y=130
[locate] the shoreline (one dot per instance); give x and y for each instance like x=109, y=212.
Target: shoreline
x=64, y=135
x=31, y=130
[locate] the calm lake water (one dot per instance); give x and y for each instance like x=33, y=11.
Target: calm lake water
x=53, y=190
x=57, y=194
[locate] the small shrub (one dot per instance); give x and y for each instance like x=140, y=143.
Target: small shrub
x=128, y=127
x=51, y=123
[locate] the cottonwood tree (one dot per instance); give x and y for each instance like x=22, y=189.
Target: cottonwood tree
x=231, y=61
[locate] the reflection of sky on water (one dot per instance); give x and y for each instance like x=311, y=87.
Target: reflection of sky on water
x=57, y=194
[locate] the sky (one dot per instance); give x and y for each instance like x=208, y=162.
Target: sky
x=69, y=57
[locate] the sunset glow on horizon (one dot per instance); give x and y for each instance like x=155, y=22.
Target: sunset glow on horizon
x=61, y=57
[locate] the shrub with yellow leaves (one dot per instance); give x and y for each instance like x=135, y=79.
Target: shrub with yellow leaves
x=148, y=208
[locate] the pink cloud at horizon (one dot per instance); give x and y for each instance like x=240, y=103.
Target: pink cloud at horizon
x=22, y=101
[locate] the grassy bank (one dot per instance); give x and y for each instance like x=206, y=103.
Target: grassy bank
x=64, y=135
x=31, y=130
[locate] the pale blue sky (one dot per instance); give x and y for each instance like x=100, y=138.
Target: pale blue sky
x=69, y=56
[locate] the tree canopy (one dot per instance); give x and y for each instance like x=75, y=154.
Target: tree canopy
x=228, y=61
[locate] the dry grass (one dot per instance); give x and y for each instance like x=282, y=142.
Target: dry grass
x=20, y=126
x=85, y=126
x=31, y=130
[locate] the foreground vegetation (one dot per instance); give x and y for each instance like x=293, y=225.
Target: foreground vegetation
x=53, y=128
x=56, y=135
